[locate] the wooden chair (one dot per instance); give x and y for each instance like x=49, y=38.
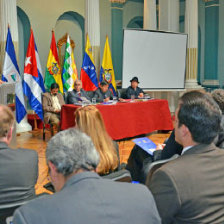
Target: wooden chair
x=47, y=126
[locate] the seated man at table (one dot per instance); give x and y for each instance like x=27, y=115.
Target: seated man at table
x=82, y=196
x=103, y=94
x=77, y=94
x=18, y=167
x=134, y=91
x=52, y=103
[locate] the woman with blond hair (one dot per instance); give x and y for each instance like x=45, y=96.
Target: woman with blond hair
x=89, y=120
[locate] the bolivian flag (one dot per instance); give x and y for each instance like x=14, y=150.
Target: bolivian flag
x=107, y=69
x=53, y=71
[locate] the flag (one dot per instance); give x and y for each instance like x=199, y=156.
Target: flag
x=11, y=74
x=33, y=83
x=53, y=71
x=69, y=74
x=88, y=71
x=107, y=69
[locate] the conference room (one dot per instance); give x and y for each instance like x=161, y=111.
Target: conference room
x=120, y=73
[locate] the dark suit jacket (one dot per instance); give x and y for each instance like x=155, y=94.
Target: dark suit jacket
x=18, y=174
x=73, y=96
x=88, y=198
x=100, y=96
x=48, y=105
x=130, y=91
x=190, y=189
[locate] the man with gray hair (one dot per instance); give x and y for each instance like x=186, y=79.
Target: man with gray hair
x=77, y=94
x=82, y=195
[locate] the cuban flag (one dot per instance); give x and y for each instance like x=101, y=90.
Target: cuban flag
x=11, y=74
x=33, y=83
x=88, y=71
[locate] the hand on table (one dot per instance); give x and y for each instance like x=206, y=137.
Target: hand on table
x=106, y=99
x=141, y=95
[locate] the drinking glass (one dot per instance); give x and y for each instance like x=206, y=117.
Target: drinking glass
x=93, y=100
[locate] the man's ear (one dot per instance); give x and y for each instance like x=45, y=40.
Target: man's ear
x=9, y=135
x=52, y=167
x=184, y=130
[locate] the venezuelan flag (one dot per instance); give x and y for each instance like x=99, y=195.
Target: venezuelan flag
x=88, y=71
x=107, y=69
x=53, y=71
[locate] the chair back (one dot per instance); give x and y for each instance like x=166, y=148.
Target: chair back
x=66, y=97
x=90, y=94
x=120, y=175
x=156, y=165
x=121, y=93
x=7, y=210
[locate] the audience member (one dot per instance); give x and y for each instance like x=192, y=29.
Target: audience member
x=218, y=96
x=134, y=90
x=139, y=160
x=103, y=94
x=89, y=120
x=82, y=196
x=77, y=94
x=52, y=103
x=190, y=189
x=18, y=167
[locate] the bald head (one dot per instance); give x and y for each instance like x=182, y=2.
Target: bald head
x=6, y=120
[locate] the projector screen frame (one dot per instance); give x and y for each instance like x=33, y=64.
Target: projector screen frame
x=157, y=31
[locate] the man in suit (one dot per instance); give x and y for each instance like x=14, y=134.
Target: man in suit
x=190, y=188
x=82, y=196
x=18, y=167
x=52, y=103
x=103, y=94
x=77, y=94
x=134, y=90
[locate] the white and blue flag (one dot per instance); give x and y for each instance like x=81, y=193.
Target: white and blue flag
x=11, y=74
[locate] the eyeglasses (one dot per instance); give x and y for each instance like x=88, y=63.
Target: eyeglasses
x=77, y=84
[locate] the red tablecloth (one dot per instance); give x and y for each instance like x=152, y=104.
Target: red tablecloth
x=127, y=119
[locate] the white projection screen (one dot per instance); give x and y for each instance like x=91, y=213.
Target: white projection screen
x=158, y=59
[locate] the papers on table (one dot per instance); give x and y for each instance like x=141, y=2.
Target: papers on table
x=146, y=144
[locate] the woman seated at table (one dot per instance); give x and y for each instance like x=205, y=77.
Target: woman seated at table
x=89, y=120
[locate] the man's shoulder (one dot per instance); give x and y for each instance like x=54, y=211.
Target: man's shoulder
x=191, y=159
x=22, y=152
x=139, y=88
x=97, y=90
x=47, y=94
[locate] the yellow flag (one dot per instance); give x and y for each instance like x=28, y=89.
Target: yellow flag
x=107, y=69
